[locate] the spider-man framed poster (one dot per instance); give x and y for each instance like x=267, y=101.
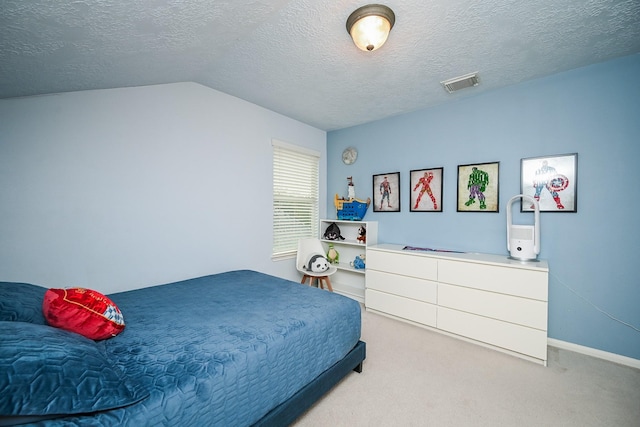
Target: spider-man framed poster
x=386, y=192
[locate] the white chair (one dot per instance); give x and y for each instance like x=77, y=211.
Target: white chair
x=306, y=248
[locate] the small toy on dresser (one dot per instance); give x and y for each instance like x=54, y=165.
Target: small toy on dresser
x=362, y=234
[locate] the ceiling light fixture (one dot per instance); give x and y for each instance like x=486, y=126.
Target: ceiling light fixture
x=369, y=26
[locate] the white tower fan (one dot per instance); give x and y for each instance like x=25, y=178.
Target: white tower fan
x=523, y=241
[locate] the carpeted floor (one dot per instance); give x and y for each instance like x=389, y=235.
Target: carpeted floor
x=416, y=377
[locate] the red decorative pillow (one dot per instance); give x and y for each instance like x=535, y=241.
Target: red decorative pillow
x=83, y=311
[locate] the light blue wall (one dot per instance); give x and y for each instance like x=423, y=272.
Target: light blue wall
x=592, y=254
x=124, y=188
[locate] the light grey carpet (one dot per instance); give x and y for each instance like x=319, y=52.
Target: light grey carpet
x=416, y=377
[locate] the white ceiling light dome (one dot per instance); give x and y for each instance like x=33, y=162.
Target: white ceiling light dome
x=369, y=26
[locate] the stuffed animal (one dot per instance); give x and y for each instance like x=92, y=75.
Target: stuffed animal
x=317, y=264
x=358, y=263
x=362, y=234
x=333, y=232
x=332, y=255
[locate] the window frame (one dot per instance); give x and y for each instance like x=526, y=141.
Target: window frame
x=296, y=190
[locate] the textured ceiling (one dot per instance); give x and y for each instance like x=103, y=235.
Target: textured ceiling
x=296, y=58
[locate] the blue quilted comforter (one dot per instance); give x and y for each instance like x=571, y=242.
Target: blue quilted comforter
x=223, y=350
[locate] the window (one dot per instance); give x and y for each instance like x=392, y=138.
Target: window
x=295, y=197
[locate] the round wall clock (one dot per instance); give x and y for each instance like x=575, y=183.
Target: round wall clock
x=349, y=155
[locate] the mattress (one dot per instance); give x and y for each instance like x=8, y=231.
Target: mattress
x=223, y=350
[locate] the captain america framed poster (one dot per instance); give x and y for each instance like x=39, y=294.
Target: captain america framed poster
x=552, y=181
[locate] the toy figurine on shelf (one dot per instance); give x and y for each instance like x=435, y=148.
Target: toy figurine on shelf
x=358, y=263
x=362, y=234
x=351, y=189
x=332, y=255
x=351, y=208
x=332, y=232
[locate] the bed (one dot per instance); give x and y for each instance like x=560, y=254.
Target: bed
x=238, y=348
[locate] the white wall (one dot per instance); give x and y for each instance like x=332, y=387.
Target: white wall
x=125, y=188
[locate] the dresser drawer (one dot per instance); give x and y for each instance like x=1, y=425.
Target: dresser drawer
x=404, y=286
x=401, y=263
x=506, y=280
x=520, y=339
x=521, y=311
x=405, y=308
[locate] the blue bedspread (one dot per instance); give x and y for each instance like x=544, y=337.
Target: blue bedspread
x=223, y=350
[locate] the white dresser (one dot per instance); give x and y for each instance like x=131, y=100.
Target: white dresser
x=488, y=299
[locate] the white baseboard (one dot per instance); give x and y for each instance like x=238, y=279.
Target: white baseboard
x=611, y=357
x=348, y=291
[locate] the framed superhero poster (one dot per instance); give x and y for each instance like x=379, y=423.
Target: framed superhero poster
x=478, y=187
x=426, y=190
x=386, y=192
x=552, y=181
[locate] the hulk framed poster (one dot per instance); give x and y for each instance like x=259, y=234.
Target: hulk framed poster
x=478, y=187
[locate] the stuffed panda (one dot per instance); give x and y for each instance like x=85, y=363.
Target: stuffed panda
x=317, y=264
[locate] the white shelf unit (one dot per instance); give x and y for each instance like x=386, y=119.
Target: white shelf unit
x=348, y=280
x=490, y=300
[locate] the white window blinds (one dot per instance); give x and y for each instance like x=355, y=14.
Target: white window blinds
x=295, y=197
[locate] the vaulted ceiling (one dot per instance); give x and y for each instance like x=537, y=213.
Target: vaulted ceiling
x=296, y=57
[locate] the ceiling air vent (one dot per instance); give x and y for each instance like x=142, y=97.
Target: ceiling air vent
x=457, y=83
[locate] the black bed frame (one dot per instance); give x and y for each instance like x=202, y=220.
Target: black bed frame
x=288, y=411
